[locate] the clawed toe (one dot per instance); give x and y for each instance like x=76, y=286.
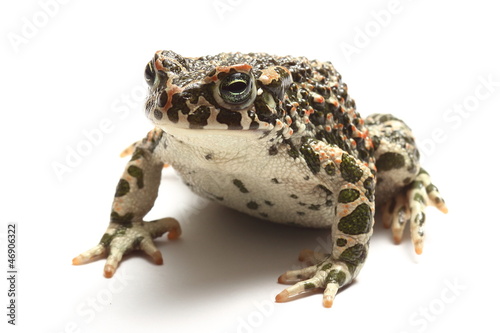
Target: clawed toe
x=119, y=240
x=297, y=289
x=330, y=274
x=95, y=253
x=407, y=208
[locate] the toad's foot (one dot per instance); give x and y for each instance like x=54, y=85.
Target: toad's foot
x=409, y=206
x=120, y=239
x=325, y=272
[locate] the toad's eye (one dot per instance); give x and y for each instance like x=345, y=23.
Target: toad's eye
x=149, y=74
x=236, y=88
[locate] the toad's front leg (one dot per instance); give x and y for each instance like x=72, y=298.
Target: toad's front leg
x=351, y=232
x=134, y=197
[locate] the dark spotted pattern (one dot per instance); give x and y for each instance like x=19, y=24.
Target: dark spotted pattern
x=138, y=153
x=357, y=222
x=354, y=256
x=348, y=195
x=199, y=118
x=330, y=168
x=341, y=242
x=239, y=184
x=389, y=161
x=122, y=188
x=231, y=119
x=125, y=220
x=369, y=185
x=137, y=173
x=349, y=170
x=106, y=239
x=336, y=276
x=310, y=156
x=306, y=97
x=252, y=205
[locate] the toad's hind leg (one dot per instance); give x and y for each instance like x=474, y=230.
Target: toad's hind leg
x=403, y=189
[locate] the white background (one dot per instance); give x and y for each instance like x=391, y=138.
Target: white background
x=73, y=68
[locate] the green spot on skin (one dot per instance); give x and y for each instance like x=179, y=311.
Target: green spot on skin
x=349, y=170
x=369, y=185
x=122, y=188
x=138, y=153
x=420, y=218
x=293, y=196
x=269, y=203
x=438, y=200
x=309, y=285
x=419, y=198
x=252, y=205
x=422, y=172
x=106, y=240
x=416, y=185
x=389, y=161
x=431, y=188
x=137, y=173
x=341, y=242
x=137, y=242
x=120, y=231
x=310, y=156
x=353, y=256
x=301, y=213
x=326, y=267
x=125, y=220
x=336, y=276
x=357, y=222
x=293, y=153
x=348, y=195
x=239, y=184
x=330, y=169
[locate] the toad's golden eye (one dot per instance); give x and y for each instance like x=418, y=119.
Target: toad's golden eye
x=236, y=88
x=149, y=74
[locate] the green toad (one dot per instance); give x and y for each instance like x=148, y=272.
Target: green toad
x=278, y=138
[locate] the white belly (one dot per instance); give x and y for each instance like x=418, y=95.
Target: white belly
x=242, y=175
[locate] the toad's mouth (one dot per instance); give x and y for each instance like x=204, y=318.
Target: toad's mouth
x=205, y=132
